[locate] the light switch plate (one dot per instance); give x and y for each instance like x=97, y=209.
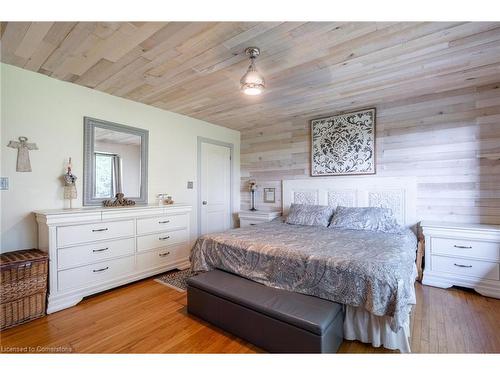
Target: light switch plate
x=190, y=184
x=4, y=183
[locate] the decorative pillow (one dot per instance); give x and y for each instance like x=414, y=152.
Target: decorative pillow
x=308, y=214
x=365, y=218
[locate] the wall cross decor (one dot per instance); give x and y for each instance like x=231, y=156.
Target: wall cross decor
x=23, y=156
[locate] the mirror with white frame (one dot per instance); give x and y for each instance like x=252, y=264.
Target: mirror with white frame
x=115, y=161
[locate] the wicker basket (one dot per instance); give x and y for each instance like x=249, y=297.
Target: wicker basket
x=23, y=286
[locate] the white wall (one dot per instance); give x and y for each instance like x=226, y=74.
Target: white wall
x=50, y=113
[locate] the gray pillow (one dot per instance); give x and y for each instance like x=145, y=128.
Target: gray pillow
x=365, y=218
x=308, y=214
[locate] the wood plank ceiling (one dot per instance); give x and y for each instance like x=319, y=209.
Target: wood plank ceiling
x=311, y=68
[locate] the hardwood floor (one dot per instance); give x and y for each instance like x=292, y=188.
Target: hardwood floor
x=147, y=317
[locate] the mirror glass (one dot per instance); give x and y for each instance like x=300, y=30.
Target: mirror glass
x=117, y=163
x=114, y=162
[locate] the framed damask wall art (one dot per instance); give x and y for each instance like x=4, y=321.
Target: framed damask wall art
x=343, y=144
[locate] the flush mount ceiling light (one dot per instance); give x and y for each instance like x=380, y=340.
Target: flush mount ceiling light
x=252, y=83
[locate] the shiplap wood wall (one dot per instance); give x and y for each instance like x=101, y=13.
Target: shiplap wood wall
x=449, y=140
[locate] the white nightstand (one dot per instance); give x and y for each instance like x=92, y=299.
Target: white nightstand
x=248, y=218
x=464, y=255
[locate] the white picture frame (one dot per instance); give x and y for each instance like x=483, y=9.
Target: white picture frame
x=269, y=195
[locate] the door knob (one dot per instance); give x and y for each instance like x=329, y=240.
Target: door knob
x=204, y=203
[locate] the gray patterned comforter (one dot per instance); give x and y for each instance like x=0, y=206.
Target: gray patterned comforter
x=373, y=270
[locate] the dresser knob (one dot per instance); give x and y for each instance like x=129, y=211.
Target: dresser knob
x=101, y=269
x=99, y=230
x=164, y=222
x=164, y=254
x=99, y=250
x=164, y=238
x=462, y=247
x=462, y=265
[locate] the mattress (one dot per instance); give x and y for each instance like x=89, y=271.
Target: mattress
x=371, y=270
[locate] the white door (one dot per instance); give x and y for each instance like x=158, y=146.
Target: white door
x=215, y=188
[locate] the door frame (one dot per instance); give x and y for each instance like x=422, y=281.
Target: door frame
x=231, y=182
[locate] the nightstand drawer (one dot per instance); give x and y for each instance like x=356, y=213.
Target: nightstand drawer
x=247, y=223
x=466, y=248
x=250, y=218
x=466, y=267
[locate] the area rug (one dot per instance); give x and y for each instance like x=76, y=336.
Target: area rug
x=175, y=279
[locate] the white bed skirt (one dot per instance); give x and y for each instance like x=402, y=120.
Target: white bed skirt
x=363, y=326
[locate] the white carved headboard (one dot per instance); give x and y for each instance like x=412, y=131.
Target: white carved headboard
x=399, y=194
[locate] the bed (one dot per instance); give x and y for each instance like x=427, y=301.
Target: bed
x=371, y=273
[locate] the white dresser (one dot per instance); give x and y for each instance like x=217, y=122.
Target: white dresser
x=94, y=249
x=248, y=218
x=464, y=255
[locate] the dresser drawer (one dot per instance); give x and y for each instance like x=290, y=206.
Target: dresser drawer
x=76, y=234
x=75, y=256
x=466, y=248
x=161, y=257
x=95, y=274
x=160, y=240
x=466, y=267
x=162, y=223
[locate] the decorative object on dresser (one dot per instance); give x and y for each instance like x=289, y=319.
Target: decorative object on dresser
x=23, y=286
x=343, y=144
x=164, y=199
x=120, y=201
x=248, y=218
x=252, y=186
x=23, y=155
x=92, y=250
x=69, y=179
x=269, y=195
x=465, y=255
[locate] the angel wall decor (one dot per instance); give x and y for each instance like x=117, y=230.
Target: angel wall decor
x=23, y=156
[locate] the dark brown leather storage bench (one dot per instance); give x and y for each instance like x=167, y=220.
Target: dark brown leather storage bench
x=273, y=319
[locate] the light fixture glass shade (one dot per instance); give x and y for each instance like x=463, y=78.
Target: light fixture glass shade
x=252, y=83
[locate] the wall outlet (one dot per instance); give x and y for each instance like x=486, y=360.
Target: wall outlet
x=4, y=183
x=190, y=184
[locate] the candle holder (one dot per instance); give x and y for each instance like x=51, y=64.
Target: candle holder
x=252, y=187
